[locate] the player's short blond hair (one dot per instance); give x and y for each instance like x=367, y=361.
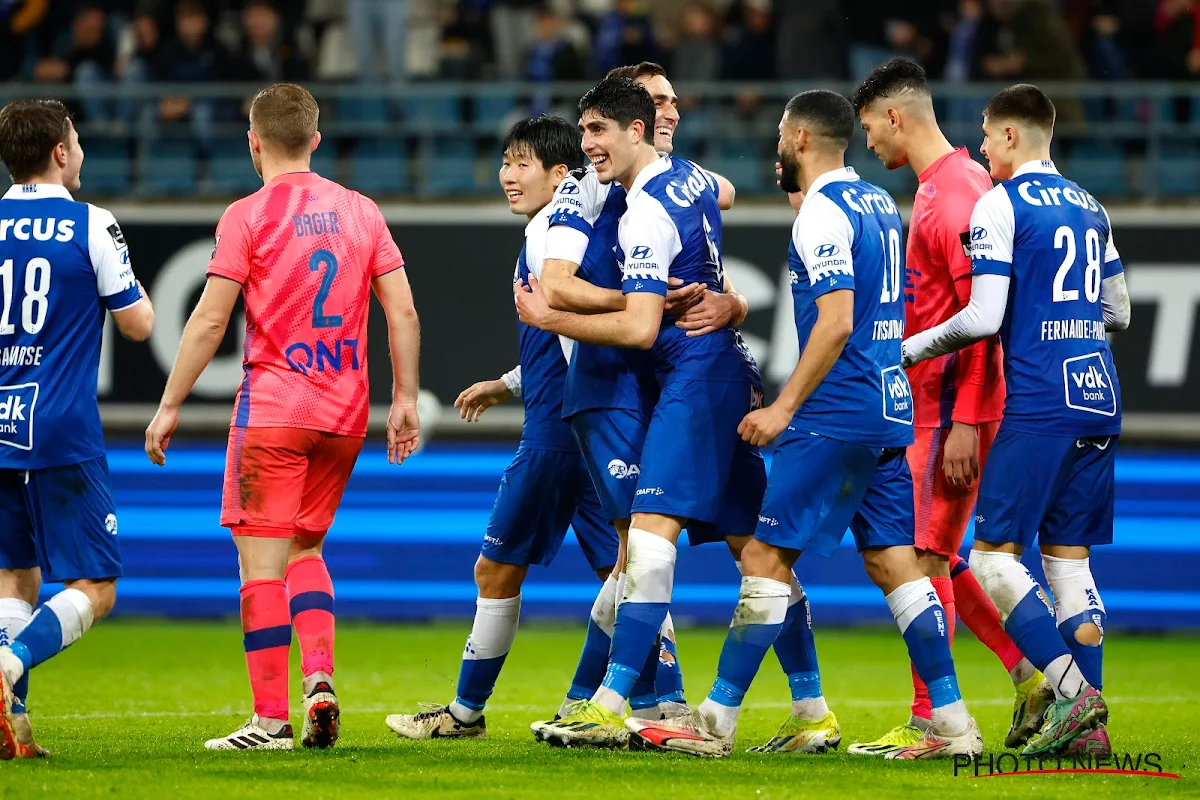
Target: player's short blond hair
x=284, y=115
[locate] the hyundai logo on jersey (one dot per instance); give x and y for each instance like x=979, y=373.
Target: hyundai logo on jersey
x=978, y=232
x=827, y=251
x=640, y=253
x=17, y=403
x=569, y=188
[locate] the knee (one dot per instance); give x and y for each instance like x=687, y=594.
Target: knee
x=736, y=545
x=935, y=565
x=306, y=544
x=760, y=560
x=498, y=581
x=891, y=567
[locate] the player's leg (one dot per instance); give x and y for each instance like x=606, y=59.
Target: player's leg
x=79, y=549
x=883, y=532
x=310, y=588
x=1025, y=473
x=805, y=507
x=20, y=581
x=1082, y=517
x=263, y=490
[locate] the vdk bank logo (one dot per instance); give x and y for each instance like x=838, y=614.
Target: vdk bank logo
x=16, y=415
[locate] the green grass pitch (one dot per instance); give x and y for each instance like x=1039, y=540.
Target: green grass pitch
x=127, y=709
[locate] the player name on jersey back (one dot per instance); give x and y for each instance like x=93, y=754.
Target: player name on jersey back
x=1054, y=242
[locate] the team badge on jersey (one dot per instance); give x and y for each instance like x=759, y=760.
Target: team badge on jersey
x=118, y=236
x=897, y=395
x=17, y=403
x=1089, y=387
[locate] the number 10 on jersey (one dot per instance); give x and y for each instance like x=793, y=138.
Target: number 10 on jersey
x=889, y=244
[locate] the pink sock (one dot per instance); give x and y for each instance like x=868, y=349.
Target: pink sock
x=267, y=637
x=310, y=600
x=980, y=616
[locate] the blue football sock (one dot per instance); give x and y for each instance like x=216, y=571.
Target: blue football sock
x=1079, y=612
x=668, y=682
x=487, y=647
x=643, y=696
x=796, y=649
x=1089, y=658
x=56, y=625
x=922, y=621
x=593, y=660
x=757, y=621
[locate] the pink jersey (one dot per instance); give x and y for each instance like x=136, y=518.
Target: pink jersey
x=305, y=251
x=967, y=386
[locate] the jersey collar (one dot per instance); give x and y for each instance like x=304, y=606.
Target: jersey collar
x=37, y=191
x=826, y=178
x=652, y=171
x=539, y=219
x=1044, y=166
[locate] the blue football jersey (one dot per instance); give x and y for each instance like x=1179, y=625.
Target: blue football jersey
x=583, y=217
x=848, y=235
x=543, y=357
x=672, y=229
x=1054, y=243
x=62, y=264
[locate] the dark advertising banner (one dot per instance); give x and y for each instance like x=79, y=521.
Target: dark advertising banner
x=461, y=275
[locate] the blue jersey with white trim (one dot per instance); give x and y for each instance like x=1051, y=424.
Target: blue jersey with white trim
x=598, y=377
x=62, y=264
x=848, y=235
x=1054, y=242
x=543, y=357
x=672, y=229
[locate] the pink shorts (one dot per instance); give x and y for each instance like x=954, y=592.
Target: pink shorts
x=942, y=511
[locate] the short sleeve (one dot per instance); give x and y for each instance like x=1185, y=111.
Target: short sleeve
x=1112, y=259
x=953, y=226
x=992, y=230
x=109, y=255
x=578, y=202
x=231, y=250
x=386, y=256
x=823, y=237
x=649, y=242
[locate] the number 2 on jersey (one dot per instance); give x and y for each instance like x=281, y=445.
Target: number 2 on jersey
x=320, y=319
x=34, y=304
x=1064, y=237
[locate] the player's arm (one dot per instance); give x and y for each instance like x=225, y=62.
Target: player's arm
x=577, y=204
x=120, y=292
x=726, y=193
x=650, y=242
x=1114, y=295
x=822, y=224
x=202, y=336
x=404, y=344
x=713, y=311
x=991, y=258
x=479, y=397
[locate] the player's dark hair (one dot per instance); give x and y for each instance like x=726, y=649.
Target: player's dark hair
x=285, y=115
x=890, y=79
x=29, y=132
x=622, y=100
x=551, y=140
x=646, y=69
x=823, y=113
x=1023, y=103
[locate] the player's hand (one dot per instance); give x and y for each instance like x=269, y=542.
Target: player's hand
x=532, y=307
x=478, y=398
x=403, y=432
x=714, y=311
x=960, y=456
x=158, y=434
x=795, y=199
x=680, y=298
x=761, y=426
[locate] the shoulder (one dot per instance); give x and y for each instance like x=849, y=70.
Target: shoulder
x=647, y=207
x=103, y=226
x=819, y=213
x=239, y=210
x=996, y=201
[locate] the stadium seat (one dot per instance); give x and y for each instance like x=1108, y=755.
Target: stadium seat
x=1099, y=167
x=450, y=167
x=363, y=111
x=743, y=162
x=109, y=168
x=492, y=109
x=230, y=170
x=169, y=168
x=435, y=113
x=380, y=165
x=1177, y=171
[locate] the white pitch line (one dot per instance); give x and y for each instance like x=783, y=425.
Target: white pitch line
x=503, y=709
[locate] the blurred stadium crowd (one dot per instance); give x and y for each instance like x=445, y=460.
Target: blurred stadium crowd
x=415, y=92
x=56, y=41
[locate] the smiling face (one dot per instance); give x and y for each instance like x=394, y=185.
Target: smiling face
x=666, y=111
x=528, y=185
x=611, y=150
x=883, y=140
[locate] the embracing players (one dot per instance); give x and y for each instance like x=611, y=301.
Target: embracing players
x=304, y=253
x=694, y=470
x=1047, y=276
x=546, y=488
x=843, y=418
x=958, y=398
x=62, y=265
